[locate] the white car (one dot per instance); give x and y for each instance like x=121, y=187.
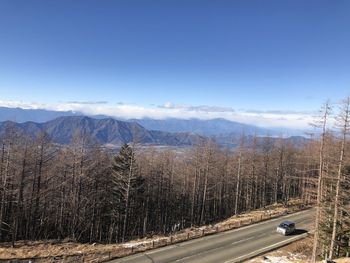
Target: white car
x=286, y=228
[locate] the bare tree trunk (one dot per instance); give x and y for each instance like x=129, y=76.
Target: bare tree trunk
x=320, y=181
x=19, y=210
x=145, y=219
x=194, y=195
x=206, y=175
x=4, y=188
x=238, y=182
x=202, y=220
x=38, y=188
x=345, y=119
x=127, y=197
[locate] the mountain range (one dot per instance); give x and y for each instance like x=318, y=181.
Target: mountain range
x=103, y=131
x=209, y=128
x=61, y=127
x=35, y=115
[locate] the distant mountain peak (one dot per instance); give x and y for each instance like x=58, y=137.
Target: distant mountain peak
x=104, y=131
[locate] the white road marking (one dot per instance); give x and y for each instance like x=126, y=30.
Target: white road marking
x=243, y=240
x=213, y=249
x=161, y=249
x=266, y=248
x=267, y=221
x=240, y=228
x=221, y=234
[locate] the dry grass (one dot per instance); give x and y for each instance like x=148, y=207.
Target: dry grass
x=343, y=260
x=60, y=250
x=297, y=252
x=264, y=213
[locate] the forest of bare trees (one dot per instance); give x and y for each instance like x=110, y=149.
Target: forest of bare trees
x=332, y=223
x=88, y=193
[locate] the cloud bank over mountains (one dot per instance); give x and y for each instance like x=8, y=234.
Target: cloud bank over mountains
x=276, y=118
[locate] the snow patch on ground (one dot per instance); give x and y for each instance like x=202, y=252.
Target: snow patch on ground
x=274, y=259
x=296, y=252
x=139, y=243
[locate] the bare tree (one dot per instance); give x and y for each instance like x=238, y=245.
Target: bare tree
x=344, y=122
x=124, y=178
x=322, y=123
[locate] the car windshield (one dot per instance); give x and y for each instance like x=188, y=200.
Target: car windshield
x=285, y=225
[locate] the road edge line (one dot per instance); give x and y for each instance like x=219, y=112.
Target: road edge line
x=268, y=248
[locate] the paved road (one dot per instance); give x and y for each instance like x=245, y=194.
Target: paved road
x=228, y=247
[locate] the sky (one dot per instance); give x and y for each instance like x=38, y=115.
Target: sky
x=270, y=63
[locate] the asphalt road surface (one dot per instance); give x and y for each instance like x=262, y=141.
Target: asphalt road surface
x=231, y=246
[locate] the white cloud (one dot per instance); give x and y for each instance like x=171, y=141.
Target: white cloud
x=88, y=102
x=287, y=119
x=23, y=105
x=204, y=108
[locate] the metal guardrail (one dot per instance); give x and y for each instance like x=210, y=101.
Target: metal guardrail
x=94, y=257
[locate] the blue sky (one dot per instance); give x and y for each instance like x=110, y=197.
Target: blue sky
x=246, y=56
